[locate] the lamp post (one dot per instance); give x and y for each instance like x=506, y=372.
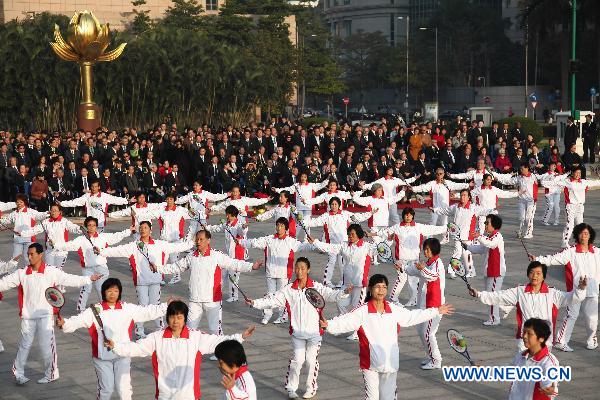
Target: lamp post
x=573, y=54
x=406, y=97
x=437, y=82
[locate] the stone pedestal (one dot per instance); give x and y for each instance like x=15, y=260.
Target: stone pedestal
x=89, y=116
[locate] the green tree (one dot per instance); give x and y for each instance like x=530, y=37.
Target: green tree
x=183, y=14
x=141, y=21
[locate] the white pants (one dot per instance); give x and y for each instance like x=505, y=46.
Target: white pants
x=84, y=292
x=413, y=282
x=44, y=329
x=526, y=214
x=466, y=255
x=394, y=217
x=552, y=205
x=173, y=257
x=213, y=312
x=427, y=331
x=54, y=258
x=304, y=350
x=148, y=294
x=494, y=284
x=379, y=385
x=330, y=267
x=589, y=308
x=574, y=213
x=357, y=296
x=113, y=374
x=376, y=230
x=195, y=226
x=273, y=285
x=21, y=249
x=299, y=230
x=440, y=220
x=233, y=291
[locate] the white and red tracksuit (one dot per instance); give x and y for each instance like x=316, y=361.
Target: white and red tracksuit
x=543, y=305
x=380, y=219
x=432, y=285
x=357, y=264
x=175, y=360
x=244, y=388
x=205, y=288
x=239, y=230
x=552, y=194
x=56, y=230
x=328, y=195
x=36, y=313
x=172, y=225
x=198, y=202
x=280, y=253
x=96, y=205
x=379, y=352
x=138, y=212
x=465, y=217
x=408, y=238
x=391, y=186
x=304, y=328
x=23, y=219
x=529, y=389
x=527, y=187
x=335, y=230
x=242, y=203
x=440, y=197
x=494, y=265
x=118, y=321
x=574, y=191
x=146, y=282
x=578, y=264
x=92, y=263
x=476, y=175
x=278, y=212
x=487, y=197
x=304, y=191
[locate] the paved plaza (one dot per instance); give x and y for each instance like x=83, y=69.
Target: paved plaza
x=339, y=378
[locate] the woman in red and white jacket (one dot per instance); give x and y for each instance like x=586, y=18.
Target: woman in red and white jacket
x=22, y=219
x=335, y=223
x=176, y=353
x=117, y=319
x=283, y=209
x=494, y=263
x=280, y=250
x=198, y=202
x=304, y=324
x=378, y=323
x=486, y=196
x=332, y=191
x=551, y=193
x=234, y=229
x=242, y=203
x=140, y=211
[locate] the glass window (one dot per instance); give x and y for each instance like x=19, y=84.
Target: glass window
x=212, y=5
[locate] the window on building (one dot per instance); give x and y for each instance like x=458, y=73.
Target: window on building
x=347, y=28
x=212, y=5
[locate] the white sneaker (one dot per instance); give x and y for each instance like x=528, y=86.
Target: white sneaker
x=593, y=344
x=431, y=365
x=563, y=347
x=231, y=300
x=545, y=223
x=213, y=358
x=309, y=394
x=175, y=280
x=265, y=321
x=471, y=275
x=424, y=361
x=489, y=322
x=528, y=237
x=555, y=223
x=21, y=380
x=411, y=303
x=353, y=337
x=293, y=395
x=280, y=320
x=44, y=380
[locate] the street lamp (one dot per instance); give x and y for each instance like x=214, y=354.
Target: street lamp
x=406, y=98
x=437, y=82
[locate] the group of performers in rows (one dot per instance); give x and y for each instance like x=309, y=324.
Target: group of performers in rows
x=364, y=308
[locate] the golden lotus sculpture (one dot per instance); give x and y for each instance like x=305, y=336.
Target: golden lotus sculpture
x=86, y=44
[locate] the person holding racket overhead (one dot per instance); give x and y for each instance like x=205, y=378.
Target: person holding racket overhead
x=111, y=319
x=378, y=323
x=198, y=202
x=242, y=203
x=486, y=196
x=304, y=324
x=36, y=313
x=332, y=191
x=283, y=209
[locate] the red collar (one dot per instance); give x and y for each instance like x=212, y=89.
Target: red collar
x=171, y=209
x=29, y=269
x=24, y=209
x=276, y=236
x=97, y=195
x=94, y=235
x=432, y=260
x=576, y=180
x=543, y=288
x=150, y=241
x=486, y=187
x=105, y=305
x=235, y=198
x=296, y=283
x=467, y=206
x=375, y=197
x=199, y=191
x=240, y=372
x=332, y=191
x=579, y=248
x=137, y=205
x=185, y=333
x=527, y=175
x=206, y=252
x=305, y=183
x=539, y=356
x=233, y=222
x=336, y=213
x=372, y=309
x=388, y=177
x=286, y=205
x=55, y=219
x=412, y=223
x=357, y=244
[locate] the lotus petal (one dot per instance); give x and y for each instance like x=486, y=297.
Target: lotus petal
x=114, y=54
x=63, y=53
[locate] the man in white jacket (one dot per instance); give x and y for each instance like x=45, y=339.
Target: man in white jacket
x=198, y=202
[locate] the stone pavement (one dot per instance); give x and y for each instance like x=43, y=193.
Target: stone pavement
x=269, y=349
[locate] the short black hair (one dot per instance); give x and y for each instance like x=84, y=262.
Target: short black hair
x=495, y=221
x=580, y=228
x=87, y=220
x=304, y=260
x=540, y=327
x=468, y=192
x=486, y=175
x=177, y=307
x=536, y=264
x=374, y=280
x=283, y=221
x=232, y=210
x=285, y=194
x=408, y=210
x=335, y=198
x=171, y=195
x=107, y=284
x=37, y=246
x=231, y=352
x=433, y=244
x=205, y=232
x=356, y=228
x=146, y=223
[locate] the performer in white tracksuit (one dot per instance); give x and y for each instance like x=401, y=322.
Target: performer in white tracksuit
x=198, y=202
x=140, y=211
x=233, y=364
x=335, y=223
x=242, y=203
x=280, y=251
x=580, y=260
x=22, y=219
x=486, y=196
x=378, y=323
x=144, y=255
x=408, y=237
x=332, y=191
x=96, y=203
x=494, y=262
x=534, y=300
x=176, y=354
x=304, y=190
x=391, y=187
x=527, y=187
x=575, y=189
x=117, y=319
x=552, y=194
x=283, y=209
x=35, y=311
x=440, y=192
x=8, y=267
x=465, y=216
x=91, y=262
x=477, y=175
x=304, y=324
